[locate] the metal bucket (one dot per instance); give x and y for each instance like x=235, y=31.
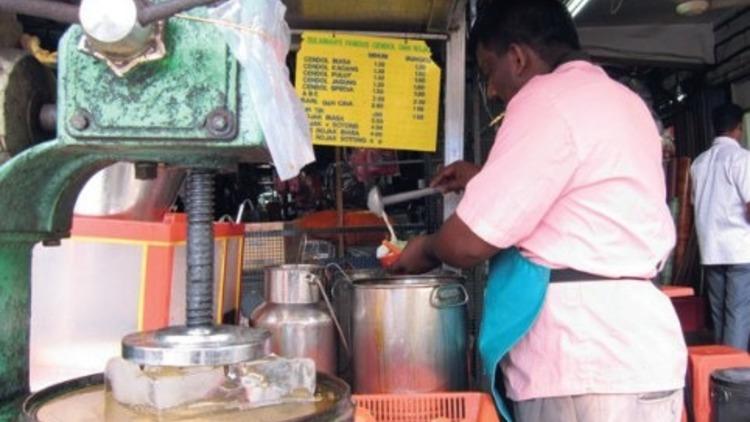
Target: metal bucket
x=115, y=192
x=85, y=400
x=409, y=335
x=730, y=393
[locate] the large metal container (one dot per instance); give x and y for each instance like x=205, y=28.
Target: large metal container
x=409, y=335
x=115, y=192
x=86, y=400
x=341, y=295
x=293, y=312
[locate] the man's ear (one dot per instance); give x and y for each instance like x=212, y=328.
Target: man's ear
x=519, y=59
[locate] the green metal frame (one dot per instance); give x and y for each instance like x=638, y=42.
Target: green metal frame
x=156, y=113
x=196, y=78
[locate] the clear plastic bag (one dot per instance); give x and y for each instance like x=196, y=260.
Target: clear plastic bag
x=259, y=38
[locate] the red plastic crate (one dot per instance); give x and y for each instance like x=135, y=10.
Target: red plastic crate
x=691, y=312
x=438, y=407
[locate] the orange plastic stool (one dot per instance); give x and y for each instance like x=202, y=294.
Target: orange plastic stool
x=677, y=291
x=702, y=361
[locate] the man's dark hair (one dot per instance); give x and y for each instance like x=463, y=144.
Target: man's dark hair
x=726, y=118
x=544, y=25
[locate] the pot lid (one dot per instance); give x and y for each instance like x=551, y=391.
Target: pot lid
x=405, y=281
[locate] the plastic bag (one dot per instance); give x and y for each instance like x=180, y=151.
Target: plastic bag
x=260, y=42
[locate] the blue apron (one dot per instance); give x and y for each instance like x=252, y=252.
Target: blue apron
x=513, y=299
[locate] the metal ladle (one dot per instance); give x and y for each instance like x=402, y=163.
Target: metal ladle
x=377, y=203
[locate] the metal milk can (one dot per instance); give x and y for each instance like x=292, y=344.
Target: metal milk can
x=293, y=312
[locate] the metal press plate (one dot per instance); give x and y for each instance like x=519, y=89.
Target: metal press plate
x=196, y=346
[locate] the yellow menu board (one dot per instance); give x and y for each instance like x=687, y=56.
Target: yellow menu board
x=369, y=92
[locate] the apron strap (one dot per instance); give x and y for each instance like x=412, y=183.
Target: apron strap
x=570, y=275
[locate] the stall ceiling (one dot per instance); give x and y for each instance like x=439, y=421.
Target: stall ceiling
x=652, y=12
x=418, y=16
x=435, y=16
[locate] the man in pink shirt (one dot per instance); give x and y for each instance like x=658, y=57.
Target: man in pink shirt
x=574, y=183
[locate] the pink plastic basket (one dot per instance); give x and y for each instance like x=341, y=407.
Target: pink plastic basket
x=439, y=407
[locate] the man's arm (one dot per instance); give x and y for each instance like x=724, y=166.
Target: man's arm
x=740, y=172
x=455, y=177
x=526, y=172
x=454, y=244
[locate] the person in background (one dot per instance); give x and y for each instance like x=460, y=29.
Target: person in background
x=721, y=198
x=572, y=194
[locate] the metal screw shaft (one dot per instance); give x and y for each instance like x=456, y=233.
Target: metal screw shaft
x=200, y=247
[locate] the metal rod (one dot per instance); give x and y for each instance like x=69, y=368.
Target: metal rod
x=357, y=229
x=53, y=10
x=455, y=89
x=200, y=248
x=409, y=196
x=68, y=13
x=389, y=163
x=155, y=12
x=241, y=210
x=476, y=126
x=339, y=204
x=334, y=230
x=48, y=117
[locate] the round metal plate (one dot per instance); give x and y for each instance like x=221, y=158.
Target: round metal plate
x=196, y=346
x=86, y=399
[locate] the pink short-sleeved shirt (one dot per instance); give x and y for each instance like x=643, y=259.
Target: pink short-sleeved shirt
x=574, y=180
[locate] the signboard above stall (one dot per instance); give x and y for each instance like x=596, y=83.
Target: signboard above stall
x=369, y=92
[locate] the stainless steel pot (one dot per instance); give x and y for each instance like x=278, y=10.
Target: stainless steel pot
x=409, y=335
x=341, y=295
x=299, y=323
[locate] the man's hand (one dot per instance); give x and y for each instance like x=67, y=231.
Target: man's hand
x=455, y=177
x=416, y=258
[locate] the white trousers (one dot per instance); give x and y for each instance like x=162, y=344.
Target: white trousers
x=643, y=407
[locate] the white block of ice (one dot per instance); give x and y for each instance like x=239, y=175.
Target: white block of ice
x=128, y=384
x=161, y=388
x=276, y=379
